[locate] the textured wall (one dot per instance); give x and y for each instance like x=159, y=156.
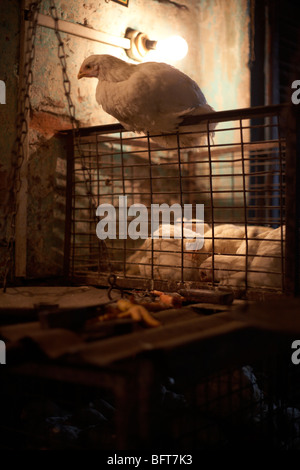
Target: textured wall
x=217, y=34
x=9, y=57
x=224, y=52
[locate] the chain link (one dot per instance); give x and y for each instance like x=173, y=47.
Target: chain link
x=18, y=152
x=71, y=108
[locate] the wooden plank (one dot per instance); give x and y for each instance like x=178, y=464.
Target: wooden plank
x=164, y=338
x=63, y=296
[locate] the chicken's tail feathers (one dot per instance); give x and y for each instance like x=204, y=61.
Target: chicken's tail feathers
x=202, y=127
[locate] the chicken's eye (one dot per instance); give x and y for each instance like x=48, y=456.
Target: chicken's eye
x=87, y=66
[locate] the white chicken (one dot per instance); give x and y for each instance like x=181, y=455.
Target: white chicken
x=268, y=261
x=264, y=261
x=225, y=238
x=167, y=258
x=148, y=97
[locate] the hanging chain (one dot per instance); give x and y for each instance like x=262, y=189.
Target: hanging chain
x=18, y=152
x=75, y=126
x=71, y=107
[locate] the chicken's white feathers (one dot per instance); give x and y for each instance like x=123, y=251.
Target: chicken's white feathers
x=148, y=97
x=263, y=261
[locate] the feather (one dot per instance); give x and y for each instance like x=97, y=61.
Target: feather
x=264, y=261
x=167, y=258
x=148, y=97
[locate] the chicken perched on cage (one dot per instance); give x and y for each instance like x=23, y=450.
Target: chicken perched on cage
x=149, y=97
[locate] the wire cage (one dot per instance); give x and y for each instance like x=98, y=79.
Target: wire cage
x=232, y=401
x=238, y=174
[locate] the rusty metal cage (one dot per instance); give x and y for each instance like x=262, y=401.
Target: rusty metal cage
x=240, y=175
x=167, y=400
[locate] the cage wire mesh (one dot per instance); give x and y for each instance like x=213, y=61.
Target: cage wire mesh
x=239, y=176
x=252, y=406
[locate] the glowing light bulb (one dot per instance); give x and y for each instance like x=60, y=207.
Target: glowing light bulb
x=144, y=49
x=173, y=48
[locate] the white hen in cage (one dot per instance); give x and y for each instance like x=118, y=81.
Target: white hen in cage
x=170, y=257
x=264, y=262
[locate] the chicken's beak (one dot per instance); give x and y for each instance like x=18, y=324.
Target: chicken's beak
x=80, y=75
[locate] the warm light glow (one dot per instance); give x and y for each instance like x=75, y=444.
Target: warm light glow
x=145, y=49
x=173, y=48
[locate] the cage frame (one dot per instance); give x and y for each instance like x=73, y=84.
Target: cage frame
x=288, y=116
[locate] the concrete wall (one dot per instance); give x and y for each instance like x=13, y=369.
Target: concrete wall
x=9, y=64
x=217, y=34
x=224, y=52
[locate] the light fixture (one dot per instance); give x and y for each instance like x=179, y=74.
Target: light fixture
x=137, y=45
x=172, y=48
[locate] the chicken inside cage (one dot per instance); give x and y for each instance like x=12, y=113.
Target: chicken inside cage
x=238, y=180
x=150, y=225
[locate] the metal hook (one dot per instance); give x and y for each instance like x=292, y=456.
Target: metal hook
x=113, y=286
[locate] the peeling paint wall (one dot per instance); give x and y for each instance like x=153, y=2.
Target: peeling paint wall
x=9, y=58
x=224, y=52
x=217, y=34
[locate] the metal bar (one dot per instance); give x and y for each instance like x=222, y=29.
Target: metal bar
x=281, y=185
x=22, y=195
x=181, y=203
x=211, y=204
x=83, y=32
x=218, y=116
x=124, y=191
x=207, y=192
x=69, y=197
x=245, y=204
x=219, y=175
x=292, y=195
x=151, y=202
x=99, y=251
x=217, y=149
